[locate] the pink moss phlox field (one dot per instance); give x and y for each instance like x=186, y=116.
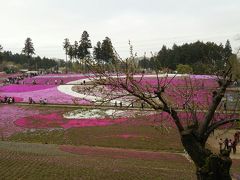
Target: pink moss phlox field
x=9, y=114
x=18, y=99
x=56, y=120
x=198, y=82
x=194, y=80
x=53, y=95
x=198, y=96
x=201, y=93
x=200, y=88
x=45, y=88
x=51, y=78
x=23, y=88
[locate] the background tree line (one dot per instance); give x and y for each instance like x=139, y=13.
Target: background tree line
x=12, y=62
x=198, y=57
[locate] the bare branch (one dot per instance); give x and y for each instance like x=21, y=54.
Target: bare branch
x=217, y=124
x=225, y=82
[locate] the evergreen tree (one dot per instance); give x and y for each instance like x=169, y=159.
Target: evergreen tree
x=107, y=51
x=71, y=56
x=161, y=60
x=75, y=49
x=85, y=45
x=144, y=62
x=97, y=52
x=66, y=45
x=28, y=49
x=227, y=50
x=71, y=52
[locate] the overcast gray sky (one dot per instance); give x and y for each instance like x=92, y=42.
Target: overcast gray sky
x=147, y=23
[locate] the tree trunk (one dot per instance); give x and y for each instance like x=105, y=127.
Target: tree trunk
x=209, y=166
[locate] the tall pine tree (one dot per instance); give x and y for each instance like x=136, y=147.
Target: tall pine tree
x=107, y=51
x=97, y=52
x=28, y=49
x=83, y=48
x=227, y=50
x=85, y=45
x=75, y=49
x=66, y=45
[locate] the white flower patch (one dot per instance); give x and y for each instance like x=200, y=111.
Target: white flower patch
x=67, y=89
x=93, y=113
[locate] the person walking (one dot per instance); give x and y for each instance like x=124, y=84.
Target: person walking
x=220, y=144
x=230, y=145
x=234, y=146
x=236, y=137
x=226, y=144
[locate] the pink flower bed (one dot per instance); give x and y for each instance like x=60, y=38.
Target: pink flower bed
x=23, y=88
x=43, y=89
x=56, y=120
x=9, y=114
x=51, y=94
x=194, y=80
x=50, y=78
x=200, y=88
x=199, y=97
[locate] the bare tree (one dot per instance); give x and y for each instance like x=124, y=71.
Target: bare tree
x=200, y=119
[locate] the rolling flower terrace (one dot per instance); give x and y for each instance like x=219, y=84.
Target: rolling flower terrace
x=52, y=88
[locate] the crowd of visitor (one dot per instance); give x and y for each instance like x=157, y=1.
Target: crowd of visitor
x=11, y=100
x=13, y=80
x=18, y=79
x=41, y=101
x=229, y=144
x=8, y=100
x=47, y=82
